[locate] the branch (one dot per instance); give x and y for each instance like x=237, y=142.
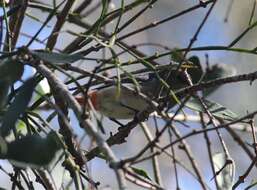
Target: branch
x=86, y=124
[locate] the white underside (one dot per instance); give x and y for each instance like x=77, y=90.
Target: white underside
x=124, y=106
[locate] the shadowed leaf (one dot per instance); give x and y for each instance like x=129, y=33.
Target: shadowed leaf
x=55, y=58
x=18, y=106
x=33, y=151
x=4, y=86
x=216, y=109
x=10, y=70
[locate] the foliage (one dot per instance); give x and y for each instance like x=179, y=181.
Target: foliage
x=41, y=131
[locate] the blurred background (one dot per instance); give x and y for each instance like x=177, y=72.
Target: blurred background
x=239, y=97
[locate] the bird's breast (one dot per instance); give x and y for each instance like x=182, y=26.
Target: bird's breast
x=120, y=106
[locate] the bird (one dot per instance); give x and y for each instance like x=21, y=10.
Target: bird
x=109, y=103
x=121, y=103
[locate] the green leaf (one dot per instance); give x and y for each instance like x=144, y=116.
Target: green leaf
x=21, y=127
x=4, y=86
x=33, y=151
x=216, y=109
x=141, y=172
x=18, y=106
x=217, y=71
x=10, y=70
x=55, y=58
x=42, y=88
x=226, y=175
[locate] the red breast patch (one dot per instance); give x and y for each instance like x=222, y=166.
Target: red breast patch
x=93, y=99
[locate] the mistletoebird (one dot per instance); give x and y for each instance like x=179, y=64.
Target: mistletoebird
x=122, y=103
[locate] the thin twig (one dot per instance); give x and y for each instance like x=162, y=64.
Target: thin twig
x=85, y=124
